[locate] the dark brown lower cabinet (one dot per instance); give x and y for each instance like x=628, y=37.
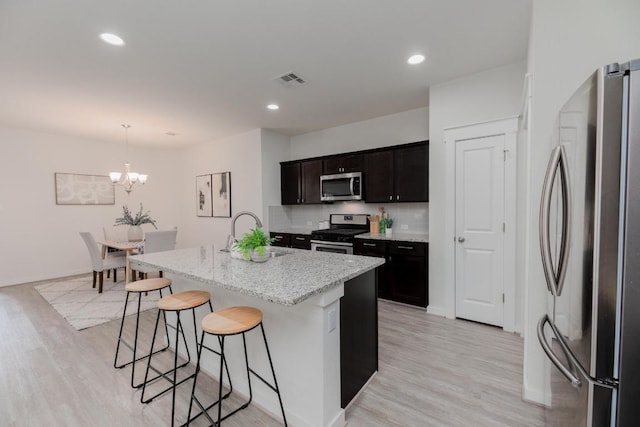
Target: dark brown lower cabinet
x=407, y=274
x=301, y=241
x=358, y=335
x=404, y=276
x=288, y=240
x=282, y=239
x=375, y=248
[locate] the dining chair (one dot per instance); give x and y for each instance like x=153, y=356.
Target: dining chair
x=157, y=241
x=111, y=233
x=100, y=264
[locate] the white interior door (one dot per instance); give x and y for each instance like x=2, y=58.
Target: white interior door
x=480, y=219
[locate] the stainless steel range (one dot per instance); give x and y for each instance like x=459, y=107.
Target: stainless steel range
x=338, y=238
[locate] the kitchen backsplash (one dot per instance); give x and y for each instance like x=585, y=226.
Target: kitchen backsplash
x=413, y=215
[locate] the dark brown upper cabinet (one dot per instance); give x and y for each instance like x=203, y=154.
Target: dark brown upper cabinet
x=290, y=183
x=379, y=177
x=411, y=173
x=391, y=174
x=344, y=164
x=300, y=182
x=398, y=174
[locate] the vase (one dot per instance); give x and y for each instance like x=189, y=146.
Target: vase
x=388, y=232
x=134, y=234
x=256, y=257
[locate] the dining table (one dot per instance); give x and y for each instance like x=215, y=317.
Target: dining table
x=127, y=247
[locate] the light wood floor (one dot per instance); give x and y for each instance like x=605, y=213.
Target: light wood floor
x=433, y=372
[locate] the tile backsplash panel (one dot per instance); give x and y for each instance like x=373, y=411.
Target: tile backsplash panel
x=414, y=215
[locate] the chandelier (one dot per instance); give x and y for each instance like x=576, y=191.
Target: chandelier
x=127, y=179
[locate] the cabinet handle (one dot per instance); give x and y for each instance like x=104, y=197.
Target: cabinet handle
x=390, y=197
x=397, y=197
x=368, y=244
x=299, y=238
x=278, y=237
x=405, y=247
x=302, y=200
x=297, y=200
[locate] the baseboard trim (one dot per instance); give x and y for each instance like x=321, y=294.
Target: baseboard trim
x=42, y=278
x=438, y=311
x=536, y=396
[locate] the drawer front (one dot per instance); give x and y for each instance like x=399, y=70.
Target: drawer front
x=282, y=239
x=407, y=248
x=370, y=247
x=301, y=241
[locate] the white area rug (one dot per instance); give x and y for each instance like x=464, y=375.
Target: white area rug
x=83, y=307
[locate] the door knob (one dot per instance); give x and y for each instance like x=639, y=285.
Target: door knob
x=461, y=239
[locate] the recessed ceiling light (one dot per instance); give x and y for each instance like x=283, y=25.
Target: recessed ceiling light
x=112, y=39
x=273, y=107
x=415, y=59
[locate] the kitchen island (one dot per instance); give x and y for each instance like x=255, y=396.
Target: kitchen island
x=320, y=317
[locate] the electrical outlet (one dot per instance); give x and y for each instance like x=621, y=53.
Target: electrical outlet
x=404, y=227
x=332, y=320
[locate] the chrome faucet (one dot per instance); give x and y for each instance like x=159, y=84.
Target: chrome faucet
x=232, y=238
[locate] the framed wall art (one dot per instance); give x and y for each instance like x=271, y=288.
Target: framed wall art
x=221, y=183
x=204, y=206
x=79, y=189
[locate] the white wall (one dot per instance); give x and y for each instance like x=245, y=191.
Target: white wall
x=489, y=95
x=39, y=238
x=394, y=129
x=242, y=156
x=275, y=149
x=570, y=39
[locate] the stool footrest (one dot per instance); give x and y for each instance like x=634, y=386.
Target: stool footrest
x=173, y=386
x=126, y=344
x=268, y=384
x=204, y=410
x=162, y=374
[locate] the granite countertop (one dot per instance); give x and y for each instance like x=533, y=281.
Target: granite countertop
x=402, y=237
x=293, y=230
x=288, y=279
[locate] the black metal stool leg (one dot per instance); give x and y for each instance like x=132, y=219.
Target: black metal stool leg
x=220, y=382
x=135, y=340
x=146, y=375
x=175, y=372
x=273, y=372
x=115, y=360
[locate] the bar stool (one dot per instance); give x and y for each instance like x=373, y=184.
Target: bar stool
x=139, y=287
x=223, y=323
x=181, y=301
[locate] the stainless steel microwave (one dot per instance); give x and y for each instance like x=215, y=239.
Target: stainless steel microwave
x=341, y=186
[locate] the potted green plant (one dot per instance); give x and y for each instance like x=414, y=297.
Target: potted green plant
x=388, y=226
x=253, y=245
x=135, y=232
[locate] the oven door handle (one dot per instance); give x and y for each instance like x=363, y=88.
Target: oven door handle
x=326, y=243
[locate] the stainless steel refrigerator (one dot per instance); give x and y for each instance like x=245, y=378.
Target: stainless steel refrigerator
x=590, y=250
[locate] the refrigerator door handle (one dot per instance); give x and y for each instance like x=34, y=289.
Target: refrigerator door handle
x=573, y=379
x=557, y=164
x=575, y=363
x=566, y=218
x=545, y=208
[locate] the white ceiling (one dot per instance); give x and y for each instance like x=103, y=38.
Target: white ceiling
x=204, y=69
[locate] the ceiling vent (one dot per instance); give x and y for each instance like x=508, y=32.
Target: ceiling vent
x=291, y=79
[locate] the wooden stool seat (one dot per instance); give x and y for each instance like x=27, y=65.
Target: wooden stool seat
x=222, y=324
x=231, y=320
x=148, y=285
x=184, y=300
